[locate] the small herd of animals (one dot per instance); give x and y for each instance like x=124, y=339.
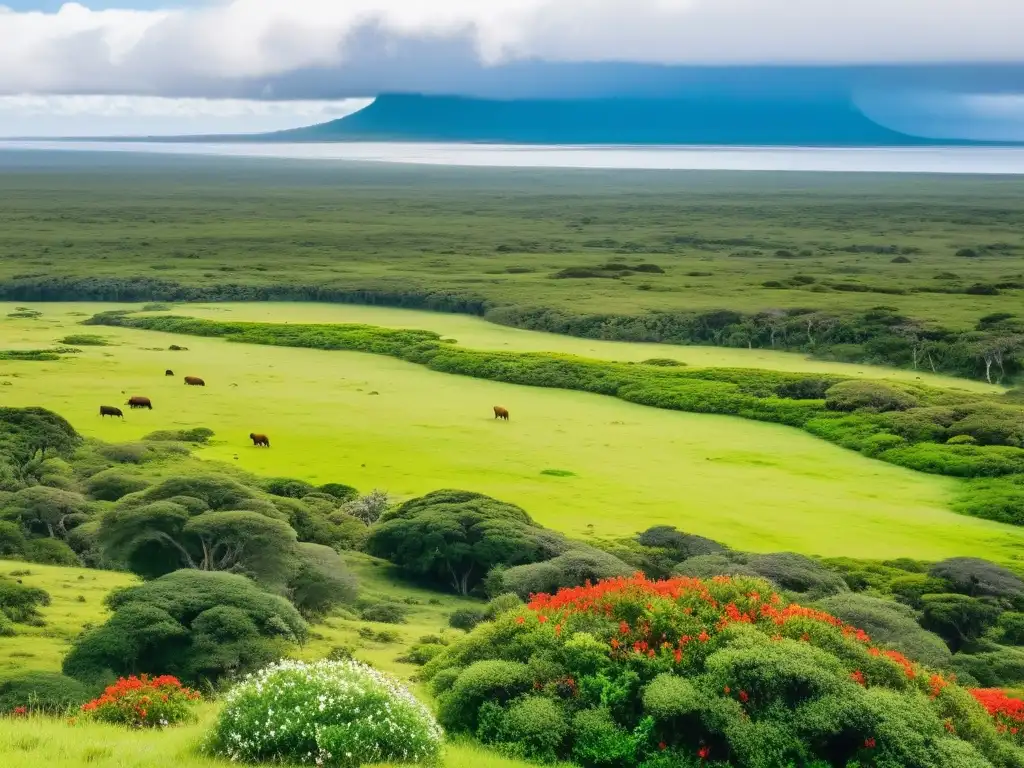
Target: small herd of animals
x=258, y=440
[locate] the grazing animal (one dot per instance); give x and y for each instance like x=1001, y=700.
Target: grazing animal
x=168, y=372
x=500, y=413
x=109, y=410
x=140, y=402
x=258, y=440
x=194, y=381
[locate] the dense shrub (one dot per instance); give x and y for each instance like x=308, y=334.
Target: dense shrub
x=503, y=603
x=998, y=667
x=456, y=537
x=385, y=613
x=369, y=508
x=338, y=713
x=684, y=671
x=321, y=582
x=144, y=702
x=50, y=552
x=957, y=619
x=47, y=692
x=532, y=728
x=114, y=484
x=685, y=545
x=339, y=491
x=975, y=577
x=199, y=435
x=192, y=624
x=855, y=395
x=287, y=487
x=20, y=602
x=1010, y=628
x=890, y=624
x=797, y=573
x=570, y=569
x=466, y=618
x=715, y=564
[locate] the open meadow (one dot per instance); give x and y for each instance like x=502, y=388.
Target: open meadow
x=370, y=421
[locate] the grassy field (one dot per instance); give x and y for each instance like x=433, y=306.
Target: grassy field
x=376, y=422
x=501, y=235
x=39, y=741
x=76, y=601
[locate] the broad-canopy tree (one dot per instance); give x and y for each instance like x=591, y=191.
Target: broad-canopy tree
x=158, y=538
x=456, y=537
x=27, y=437
x=195, y=625
x=958, y=619
x=46, y=511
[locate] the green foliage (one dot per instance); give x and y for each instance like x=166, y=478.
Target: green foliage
x=45, y=511
x=288, y=488
x=466, y=618
x=194, y=625
x=47, y=692
x=322, y=581
x=890, y=624
x=85, y=340
x=1010, y=628
x=492, y=681
x=384, y=613
x=456, y=537
x=197, y=435
x=339, y=713
x=570, y=569
x=680, y=672
x=957, y=619
x=532, y=728
x=500, y=604
x=868, y=395
x=685, y=545
x=975, y=577
x=797, y=573
x=114, y=484
x=50, y=552
x=995, y=668
x=21, y=603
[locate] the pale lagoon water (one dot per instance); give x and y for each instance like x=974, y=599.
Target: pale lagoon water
x=956, y=160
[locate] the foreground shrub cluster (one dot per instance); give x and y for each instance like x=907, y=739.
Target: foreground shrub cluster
x=335, y=713
x=632, y=671
x=143, y=702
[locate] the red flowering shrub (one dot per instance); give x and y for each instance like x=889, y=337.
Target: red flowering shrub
x=1005, y=710
x=723, y=669
x=144, y=702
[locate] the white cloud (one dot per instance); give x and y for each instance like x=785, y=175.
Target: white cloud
x=84, y=116
x=161, y=51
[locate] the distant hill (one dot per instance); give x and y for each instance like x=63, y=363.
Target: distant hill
x=776, y=120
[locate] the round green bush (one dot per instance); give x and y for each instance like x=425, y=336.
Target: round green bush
x=47, y=692
x=326, y=713
x=114, y=484
x=466, y=618
x=532, y=728
x=856, y=394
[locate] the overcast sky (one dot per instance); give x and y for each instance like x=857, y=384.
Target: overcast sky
x=333, y=49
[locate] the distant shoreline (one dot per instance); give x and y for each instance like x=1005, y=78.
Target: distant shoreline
x=1008, y=160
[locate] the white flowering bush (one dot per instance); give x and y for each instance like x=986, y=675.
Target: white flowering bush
x=325, y=713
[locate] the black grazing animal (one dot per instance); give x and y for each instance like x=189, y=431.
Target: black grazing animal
x=168, y=372
x=109, y=410
x=259, y=440
x=140, y=402
x=194, y=381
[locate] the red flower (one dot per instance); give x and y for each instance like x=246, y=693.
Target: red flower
x=662, y=746
x=703, y=753
x=20, y=711
x=558, y=629
x=520, y=619
x=727, y=690
x=703, y=636
x=858, y=677
x=614, y=643
x=744, y=697
x=542, y=618
x=869, y=743
x=679, y=656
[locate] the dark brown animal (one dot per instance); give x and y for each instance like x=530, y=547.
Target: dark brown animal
x=500, y=413
x=258, y=440
x=168, y=372
x=140, y=402
x=109, y=410
x=194, y=381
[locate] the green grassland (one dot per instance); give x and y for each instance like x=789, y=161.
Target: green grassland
x=497, y=237
x=755, y=486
